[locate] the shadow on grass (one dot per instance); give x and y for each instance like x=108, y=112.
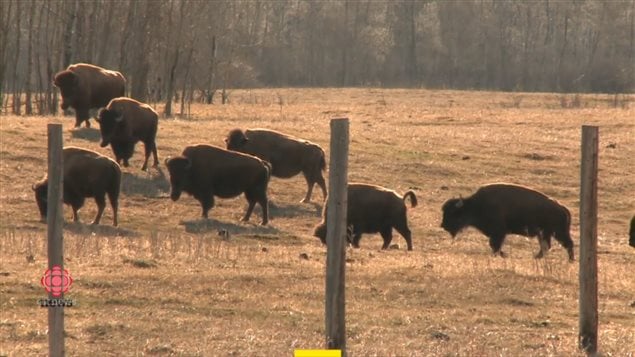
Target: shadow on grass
x=311, y=209
x=90, y=134
x=152, y=183
x=102, y=230
x=215, y=226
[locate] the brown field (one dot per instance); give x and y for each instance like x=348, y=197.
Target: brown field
x=163, y=282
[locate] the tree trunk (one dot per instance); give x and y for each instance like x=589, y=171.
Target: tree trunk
x=175, y=60
x=68, y=35
x=104, y=38
x=412, y=71
x=28, y=107
x=17, y=106
x=209, y=95
x=139, y=86
x=5, y=15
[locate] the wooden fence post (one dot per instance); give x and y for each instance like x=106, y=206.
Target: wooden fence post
x=55, y=222
x=588, y=337
x=336, y=236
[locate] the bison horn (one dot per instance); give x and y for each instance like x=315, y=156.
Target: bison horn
x=119, y=118
x=33, y=187
x=166, y=161
x=459, y=203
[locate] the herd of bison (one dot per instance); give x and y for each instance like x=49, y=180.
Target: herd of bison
x=250, y=159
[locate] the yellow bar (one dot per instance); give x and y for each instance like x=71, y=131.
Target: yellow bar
x=317, y=353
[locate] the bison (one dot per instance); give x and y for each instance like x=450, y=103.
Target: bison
x=86, y=174
x=205, y=171
x=288, y=155
x=86, y=86
x=631, y=233
x=500, y=209
x=373, y=209
x=123, y=123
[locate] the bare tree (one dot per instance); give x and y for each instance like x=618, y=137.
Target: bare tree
x=175, y=42
x=5, y=15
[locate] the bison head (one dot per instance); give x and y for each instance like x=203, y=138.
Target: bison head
x=455, y=216
x=41, y=191
x=236, y=140
x=67, y=82
x=179, y=168
x=320, y=232
x=108, y=120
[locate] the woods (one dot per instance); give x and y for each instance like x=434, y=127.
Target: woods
x=180, y=51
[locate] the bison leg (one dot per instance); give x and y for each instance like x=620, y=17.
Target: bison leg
x=80, y=116
x=206, y=204
x=405, y=232
x=320, y=181
x=76, y=204
x=264, y=204
x=101, y=205
x=250, y=209
x=155, y=155
x=311, y=180
x=496, y=242
x=75, y=214
x=257, y=195
x=309, y=191
x=356, y=237
x=114, y=204
x=149, y=148
x=544, y=239
x=386, y=234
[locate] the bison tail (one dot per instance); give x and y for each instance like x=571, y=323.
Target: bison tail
x=413, y=198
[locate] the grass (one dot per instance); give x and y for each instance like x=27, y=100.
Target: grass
x=165, y=283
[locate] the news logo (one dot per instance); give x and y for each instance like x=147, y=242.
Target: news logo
x=56, y=281
x=317, y=353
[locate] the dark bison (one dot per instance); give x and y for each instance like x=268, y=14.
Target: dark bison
x=500, y=209
x=288, y=155
x=373, y=209
x=205, y=171
x=631, y=233
x=86, y=174
x=86, y=86
x=123, y=123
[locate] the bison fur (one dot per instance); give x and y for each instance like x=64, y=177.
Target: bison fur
x=288, y=155
x=123, y=123
x=206, y=171
x=86, y=174
x=85, y=86
x=373, y=209
x=500, y=209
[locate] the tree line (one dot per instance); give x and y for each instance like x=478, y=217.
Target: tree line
x=183, y=51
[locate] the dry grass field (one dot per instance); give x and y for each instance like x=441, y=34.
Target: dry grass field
x=163, y=283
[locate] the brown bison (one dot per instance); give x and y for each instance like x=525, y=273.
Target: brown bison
x=86, y=174
x=500, y=209
x=631, y=233
x=373, y=209
x=205, y=171
x=123, y=123
x=86, y=86
x=288, y=155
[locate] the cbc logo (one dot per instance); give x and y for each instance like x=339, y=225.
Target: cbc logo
x=56, y=281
